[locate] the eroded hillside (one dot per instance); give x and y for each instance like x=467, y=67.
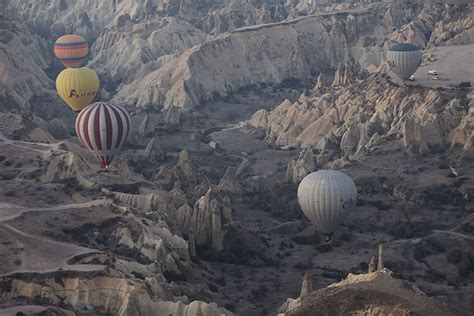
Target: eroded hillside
x=200, y=206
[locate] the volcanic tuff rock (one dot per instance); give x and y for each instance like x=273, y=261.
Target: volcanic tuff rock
x=457, y=29
x=115, y=32
x=299, y=168
x=463, y=135
x=343, y=75
x=154, y=241
x=130, y=50
x=209, y=15
x=211, y=212
x=158, y=77
x=111, y=295
x=242, y=58
x=229, y=182
x=153, y=150
x=205, y=220
x=359, y=117
x=23, y=59
x=274, y=53
x=184, y=176
x=376, y=293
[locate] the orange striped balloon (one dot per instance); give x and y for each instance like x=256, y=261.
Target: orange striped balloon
x=71, y=50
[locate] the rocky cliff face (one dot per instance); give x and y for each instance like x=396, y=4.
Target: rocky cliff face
x=24, y=56
x=268, y=54
x=117, y=33
x=352, y=121
x=183, y=176
x=110, y=295
x=129, y=49
x=165, y=71
x=167, y=226
x=295, y=49
x=363, y=295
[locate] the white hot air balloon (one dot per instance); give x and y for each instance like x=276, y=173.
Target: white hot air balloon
x=326, y=198
x=404, y=59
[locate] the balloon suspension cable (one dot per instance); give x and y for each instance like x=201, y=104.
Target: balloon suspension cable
x=104, y=167
x=328, y=239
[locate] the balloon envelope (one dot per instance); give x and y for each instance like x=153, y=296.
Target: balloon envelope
x=77, y=87
x=404, y=59
x=326, y=197
x=103, y=128
x=71, y=50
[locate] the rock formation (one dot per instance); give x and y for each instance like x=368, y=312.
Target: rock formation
x=343, y=75
x=358, y=122
x=179, y=73
x=305, y=164
x=111, y=295
x=22, y=74
x=307, y=286
x=184, y=176
x=211, y=212
x=380, y=259
x=229, y=183
x=363, y=294
x=153, y=151
x=172, y=221
x=371, y=265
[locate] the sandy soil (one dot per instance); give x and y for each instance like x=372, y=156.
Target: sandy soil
x=43, y=255
x=454, y=64
x=34, y=253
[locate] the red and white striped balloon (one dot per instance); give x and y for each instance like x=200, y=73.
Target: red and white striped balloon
x=103, y=128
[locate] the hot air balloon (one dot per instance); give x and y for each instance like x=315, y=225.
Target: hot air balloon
x=404, y=59
x=71, y=50
x=77, y=87
x=103, y=128
x=326, y=197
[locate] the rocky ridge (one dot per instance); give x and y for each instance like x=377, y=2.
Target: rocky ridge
x=364, y=294
x=191, y=71
x=348, y=122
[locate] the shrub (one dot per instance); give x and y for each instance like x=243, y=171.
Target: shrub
x=454, y=256
x=213, y=287
x=304, y=265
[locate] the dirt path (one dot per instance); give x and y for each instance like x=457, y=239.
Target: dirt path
x=44, y=255
x=452, y=64
x=348, y=11
x=10, y=211
x=44, y=149
x=39, y=254
x=453, y=234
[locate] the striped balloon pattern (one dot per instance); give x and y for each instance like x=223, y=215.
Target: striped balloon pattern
x=404, y=59
x=71, y=50
x=103, y=128
x=326, y=198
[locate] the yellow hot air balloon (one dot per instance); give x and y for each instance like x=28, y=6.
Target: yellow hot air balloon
x=77, y=87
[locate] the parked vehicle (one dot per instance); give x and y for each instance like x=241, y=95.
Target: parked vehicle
x=411, y=78
x=435, y=78
x=432, y=72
